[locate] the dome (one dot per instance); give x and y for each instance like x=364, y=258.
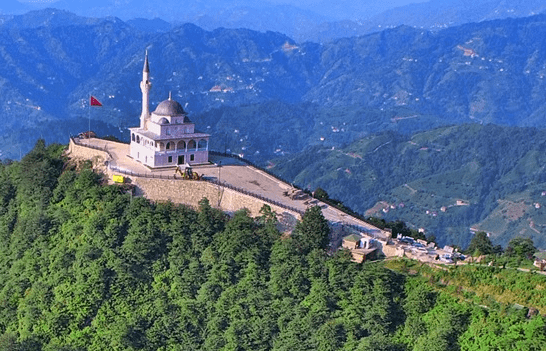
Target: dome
x=169, y=108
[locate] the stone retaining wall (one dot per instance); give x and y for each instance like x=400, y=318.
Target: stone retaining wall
x=88, y=153
x=97, y=157
x=188, y=192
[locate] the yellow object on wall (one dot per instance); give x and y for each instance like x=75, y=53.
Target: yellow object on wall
x=118, y=178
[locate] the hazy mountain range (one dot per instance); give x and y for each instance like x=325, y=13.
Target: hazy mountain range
x=404, y=79
x=304, y=21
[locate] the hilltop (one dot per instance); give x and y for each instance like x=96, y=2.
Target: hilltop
x=87, y=266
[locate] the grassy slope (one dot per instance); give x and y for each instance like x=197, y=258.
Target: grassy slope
x=488, y=286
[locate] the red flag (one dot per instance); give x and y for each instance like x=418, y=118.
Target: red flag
x=94, y=101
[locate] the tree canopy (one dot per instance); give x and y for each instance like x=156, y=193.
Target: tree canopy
x=481, y=245
x=90, y=267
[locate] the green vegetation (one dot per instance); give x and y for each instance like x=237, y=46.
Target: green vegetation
x=482, y=245
x=519, y=253
x=493, y=286
x=521, y=248
x=86, y=266
x=445, y=180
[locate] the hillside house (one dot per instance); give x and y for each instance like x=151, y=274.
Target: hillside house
x=540, y=264
x=351, y=242
x=362, y=248
x=540, y=260
x=422, y=242
x=449, y=249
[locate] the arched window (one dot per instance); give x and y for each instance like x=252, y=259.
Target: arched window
x=202, y=144
x=181, y=145
x=133, y=136
x=191, y=145
x=169, y=146
x=161, y=146
x=138, y=139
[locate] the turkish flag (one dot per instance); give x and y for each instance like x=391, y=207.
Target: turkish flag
x=94, y=101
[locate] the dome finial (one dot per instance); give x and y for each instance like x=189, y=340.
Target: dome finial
x=170, y=95
x=169, y=107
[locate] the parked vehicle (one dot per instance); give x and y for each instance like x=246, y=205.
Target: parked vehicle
x=188, y=173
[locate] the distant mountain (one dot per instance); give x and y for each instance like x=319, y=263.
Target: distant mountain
x=491, y=72
x=402, y=79
x=49, y=17
x=285, y=19
x=439, y=14
x=155, y=25
x=303, y=21
x=446, y=180
x=432, y=15
x=260, y=16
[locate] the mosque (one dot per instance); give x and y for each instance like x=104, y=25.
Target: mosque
x=166, y=137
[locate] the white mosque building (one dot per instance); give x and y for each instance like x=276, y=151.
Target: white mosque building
x=166, y=137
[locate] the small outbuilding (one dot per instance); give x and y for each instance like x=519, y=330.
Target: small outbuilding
x=361, y=248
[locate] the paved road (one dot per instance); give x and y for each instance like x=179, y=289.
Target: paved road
x=238, y=174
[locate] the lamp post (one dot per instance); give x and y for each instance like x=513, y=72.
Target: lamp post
x=219, y=167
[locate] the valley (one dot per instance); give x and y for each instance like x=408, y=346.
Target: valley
x=450, y=181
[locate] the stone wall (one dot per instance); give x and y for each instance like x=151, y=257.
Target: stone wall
x=188, y=192
x=97, y=157
x=392, y=251
x=85, y=152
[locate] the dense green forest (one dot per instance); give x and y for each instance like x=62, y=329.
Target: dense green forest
x=86, y=266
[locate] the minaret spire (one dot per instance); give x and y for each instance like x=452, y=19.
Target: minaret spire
x=146, y=66
x=145, y=86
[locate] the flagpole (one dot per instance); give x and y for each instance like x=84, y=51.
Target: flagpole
x=92, y=102
x=89, y=117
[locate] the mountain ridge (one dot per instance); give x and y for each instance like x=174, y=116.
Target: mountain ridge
x=303, y=21
x=402, y=78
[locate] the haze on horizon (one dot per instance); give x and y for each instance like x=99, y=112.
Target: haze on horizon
x=335, y=10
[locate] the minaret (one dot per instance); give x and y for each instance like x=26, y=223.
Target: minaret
x=145, y=87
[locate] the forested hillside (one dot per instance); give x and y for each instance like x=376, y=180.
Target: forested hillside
x=86, y=266
x=446, y=180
